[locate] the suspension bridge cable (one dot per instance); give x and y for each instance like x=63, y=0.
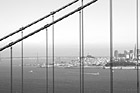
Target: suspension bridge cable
x=80, y=51
x=22, y=62
x=53, y=52
x=82, y=43
x=111, y=48
x=48, y=25
x=23, y=28
x=47, y=61
x=137, y=28
x=11, y=69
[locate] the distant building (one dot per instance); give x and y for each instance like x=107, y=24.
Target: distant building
x=131, y=54
x=135, y=52
x=116, y=54
x=121, y=55
x=131, y=51
x=126, y=54
x=90, y=56
x=127, y=57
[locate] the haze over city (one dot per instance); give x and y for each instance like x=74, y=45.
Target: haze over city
x=91, y=46
x=15, y=14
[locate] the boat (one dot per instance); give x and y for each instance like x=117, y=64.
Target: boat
x=70, y=67
x=97, y=73
x=44, y=66
x=31, y=71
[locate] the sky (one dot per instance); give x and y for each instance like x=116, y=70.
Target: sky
x=18, y=13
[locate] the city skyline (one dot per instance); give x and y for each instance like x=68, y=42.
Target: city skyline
x=91, y=46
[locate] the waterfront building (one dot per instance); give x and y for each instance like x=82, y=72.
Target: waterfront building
x=131, y=54
x=116, y=54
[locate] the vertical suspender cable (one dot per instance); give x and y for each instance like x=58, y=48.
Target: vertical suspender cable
x=82, y=43
x=0, y=57
x=111, y=48
x=22, y=63
x=23, y=28
x=11, y=69
x=53, y=50
x=137, y=46
x=80, y=51
x=46, y=60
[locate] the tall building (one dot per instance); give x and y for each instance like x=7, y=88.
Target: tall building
x=135, y=52
x=116, y=54
x=131, y=54
x=126, y=53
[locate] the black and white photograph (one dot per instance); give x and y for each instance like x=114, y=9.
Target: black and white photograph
x=69, y=46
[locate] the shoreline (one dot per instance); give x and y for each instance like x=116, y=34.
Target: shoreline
x=123, y=67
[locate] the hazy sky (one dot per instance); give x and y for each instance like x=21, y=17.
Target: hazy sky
x=18, y=13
